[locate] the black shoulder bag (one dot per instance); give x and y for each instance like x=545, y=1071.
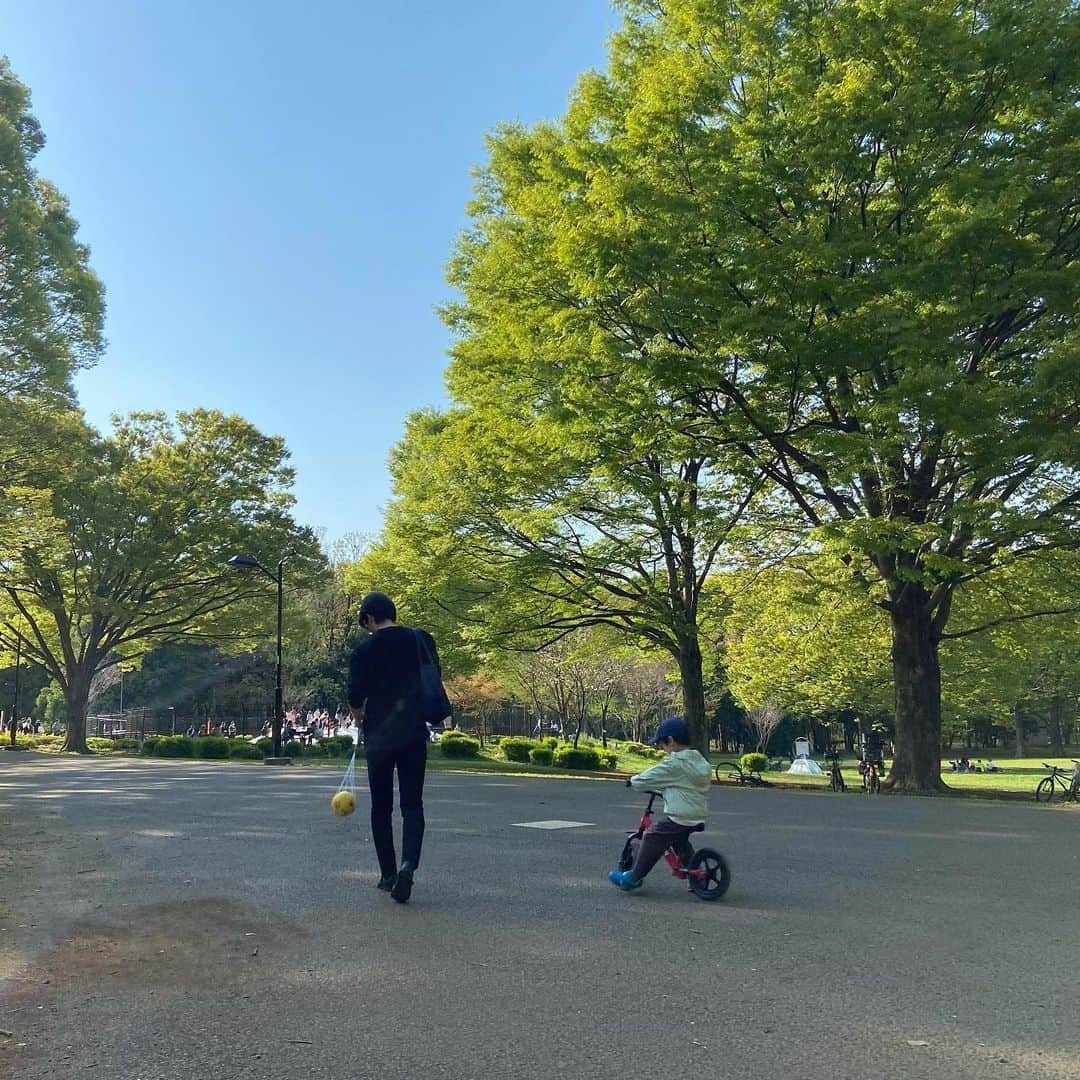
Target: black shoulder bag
x=435, y=706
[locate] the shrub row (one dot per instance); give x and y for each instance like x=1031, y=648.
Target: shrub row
x=550, y=751
x=207, y=747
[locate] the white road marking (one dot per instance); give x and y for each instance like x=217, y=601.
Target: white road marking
x=551, y=824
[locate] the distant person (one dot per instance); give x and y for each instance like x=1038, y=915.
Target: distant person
x=384, y=695
x=990, y=766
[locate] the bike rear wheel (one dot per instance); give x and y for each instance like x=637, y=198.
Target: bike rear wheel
x=629, y=853
x=1045, y=791
x=715, y=878
x=875, y=784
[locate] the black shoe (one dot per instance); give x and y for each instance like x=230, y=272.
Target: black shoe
x=402, y=889
x=386, y=882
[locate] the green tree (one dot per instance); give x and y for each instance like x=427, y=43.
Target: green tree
x=51, y=305
x=846, y=244
x=128, y=548
x=804, y=635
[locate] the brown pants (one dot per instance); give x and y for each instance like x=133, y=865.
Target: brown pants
x=662, y=834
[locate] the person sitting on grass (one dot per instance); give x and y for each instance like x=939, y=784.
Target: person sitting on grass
x=682, y=779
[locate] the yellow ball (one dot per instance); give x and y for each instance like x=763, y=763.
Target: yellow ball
x=343, y=803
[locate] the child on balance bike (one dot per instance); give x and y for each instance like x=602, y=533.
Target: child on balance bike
x=682, y=778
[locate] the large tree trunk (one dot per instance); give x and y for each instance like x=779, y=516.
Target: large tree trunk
x=1057, y=737
x=76, y=695
x=1018, y=725
x=917, y=693
x=693, y=693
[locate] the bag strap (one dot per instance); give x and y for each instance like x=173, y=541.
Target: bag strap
x=422, y=654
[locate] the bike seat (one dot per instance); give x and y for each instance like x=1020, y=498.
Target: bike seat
x=699, y=827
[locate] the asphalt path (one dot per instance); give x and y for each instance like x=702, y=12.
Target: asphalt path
x=168, y=920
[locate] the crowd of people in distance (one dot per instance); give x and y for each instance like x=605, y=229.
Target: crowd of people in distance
x=29, y=726
x=313, y=724
x=964, y=765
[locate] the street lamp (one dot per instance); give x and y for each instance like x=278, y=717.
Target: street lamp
x=15, y=704
x=249, y=562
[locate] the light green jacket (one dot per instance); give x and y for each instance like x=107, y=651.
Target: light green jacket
x=683, y=779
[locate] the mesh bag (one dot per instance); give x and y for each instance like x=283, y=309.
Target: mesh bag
x=344, y=801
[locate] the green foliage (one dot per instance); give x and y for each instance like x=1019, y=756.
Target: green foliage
x=151, y=743
x=650, y=752
x=753, y=763
x=175, y=746
x=52, y=305
x=265, y=745
x=539, y=755
x=212, y=746
x=244, y=751
x=609, y=759
x=584, y=757
x=550, y=741
x=517, y=749
x=293, y=748
x=456, y=744
x=124, y=549
x=337, y=745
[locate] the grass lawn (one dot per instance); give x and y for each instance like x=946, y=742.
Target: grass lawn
x=1011, y=774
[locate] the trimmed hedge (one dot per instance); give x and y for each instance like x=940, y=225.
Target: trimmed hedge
x=265, y=745
x=293, y=748
x=550, y=741
x=645, y=751
x=337, y=745
x=456, y=744
x=518, y=749
x=150, y=744
x=608, y=759
x=176, y=746
x=244, y=751
x=753, y=762
x=584, y=757
x=541, y=755
x=212, y=747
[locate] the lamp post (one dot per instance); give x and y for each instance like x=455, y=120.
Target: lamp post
x=249, y=562
x=15, y=703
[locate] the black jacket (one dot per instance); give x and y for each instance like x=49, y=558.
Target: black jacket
x=384, y=678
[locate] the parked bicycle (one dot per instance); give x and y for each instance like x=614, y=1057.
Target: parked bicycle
x=871, y=775
x=1064, y=780
x=836, y=777
x=735, y=772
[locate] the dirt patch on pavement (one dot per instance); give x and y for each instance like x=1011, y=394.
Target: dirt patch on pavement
x=175, y=952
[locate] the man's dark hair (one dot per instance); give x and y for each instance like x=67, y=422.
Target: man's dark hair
x=379, y=606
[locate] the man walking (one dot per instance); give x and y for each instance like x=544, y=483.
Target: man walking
x=384, y=695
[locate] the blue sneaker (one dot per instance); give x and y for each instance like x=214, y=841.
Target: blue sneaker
x=624, y=879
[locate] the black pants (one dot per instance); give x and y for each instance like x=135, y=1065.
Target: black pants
x=410, y=762
x=662, y=834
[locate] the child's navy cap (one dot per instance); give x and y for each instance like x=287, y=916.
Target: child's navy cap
x=673, y=727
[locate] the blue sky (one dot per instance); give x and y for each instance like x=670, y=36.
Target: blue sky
x=271, y=190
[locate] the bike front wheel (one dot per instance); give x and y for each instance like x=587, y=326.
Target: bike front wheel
x=709, y=874
x=1045, y=791
x=875, y=784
